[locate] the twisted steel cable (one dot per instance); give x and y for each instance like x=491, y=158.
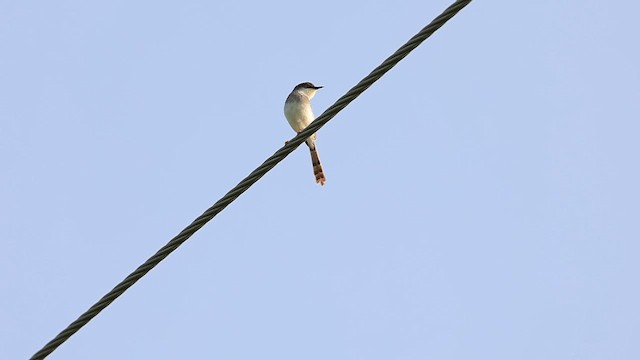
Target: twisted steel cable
x=245, y=184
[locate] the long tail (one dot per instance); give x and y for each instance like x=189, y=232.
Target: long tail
x=317, y=166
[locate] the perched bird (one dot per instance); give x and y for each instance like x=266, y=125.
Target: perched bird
x=299, y=114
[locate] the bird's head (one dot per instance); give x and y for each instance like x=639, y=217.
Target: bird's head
x=307, y=88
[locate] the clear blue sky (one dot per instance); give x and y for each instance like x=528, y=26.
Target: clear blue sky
x=481, y=201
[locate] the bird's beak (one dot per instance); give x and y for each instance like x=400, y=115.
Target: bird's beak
x=318, y=87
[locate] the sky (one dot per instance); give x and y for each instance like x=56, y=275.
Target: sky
x=481, y=200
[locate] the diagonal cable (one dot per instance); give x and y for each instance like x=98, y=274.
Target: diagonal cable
x=245, y=184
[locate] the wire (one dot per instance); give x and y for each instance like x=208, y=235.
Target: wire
x=271, y=162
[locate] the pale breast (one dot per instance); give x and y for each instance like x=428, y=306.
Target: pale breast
x=297, y=110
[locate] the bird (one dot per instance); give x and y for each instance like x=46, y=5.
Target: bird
x=299, y=114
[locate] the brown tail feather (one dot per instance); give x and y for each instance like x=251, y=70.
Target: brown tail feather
x=317, y=167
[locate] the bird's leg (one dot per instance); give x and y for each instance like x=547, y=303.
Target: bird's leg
x=288, y=141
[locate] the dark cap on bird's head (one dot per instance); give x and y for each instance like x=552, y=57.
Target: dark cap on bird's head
x=307, y=85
